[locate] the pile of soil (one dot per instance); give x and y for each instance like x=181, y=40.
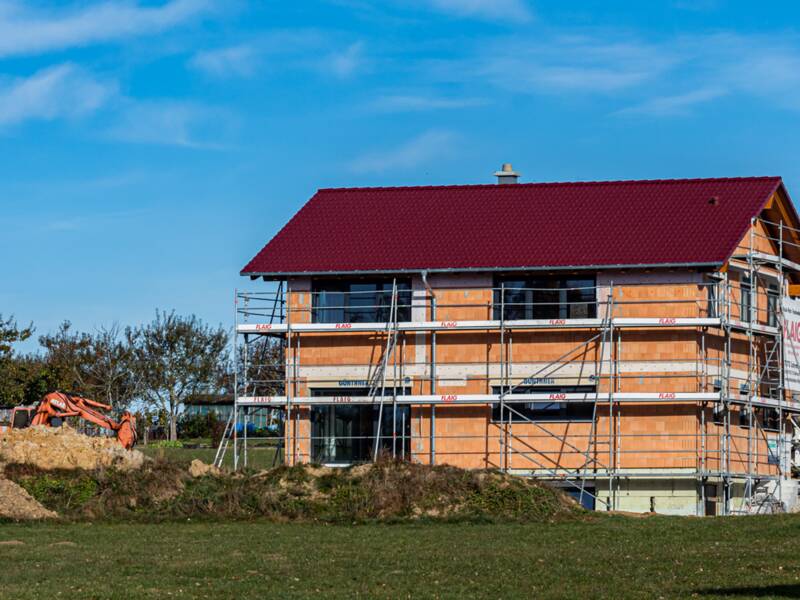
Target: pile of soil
x=17, y=504
x=386, y=491
x=65, y=448
x=197, y=468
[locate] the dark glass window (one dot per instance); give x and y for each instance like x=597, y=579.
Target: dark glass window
x=713, y=312
x=770, y=419
x=746, y=300
x=772, y=306
x=718, y=414
x=359, y=301
x=345, y=433
x=587, y=498
x=545, y=298
x=545, y=411
x=744, y=417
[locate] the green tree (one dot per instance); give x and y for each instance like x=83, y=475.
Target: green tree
x=10, y=334
x=175, y=357
x=21, y=377
x=64, y=353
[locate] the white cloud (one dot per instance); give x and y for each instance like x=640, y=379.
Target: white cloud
x=769, y=72
x=345, y=63
x=428, y=146
x=494, y=10
x=679, y=104
x=412, y=103
x=572, y=63
x=238, y=61
x=641, y=75
x=61, y=91
x=284, y=50
x=67, y=91
x=89, y=221
x=170, y=123
x=26, y=31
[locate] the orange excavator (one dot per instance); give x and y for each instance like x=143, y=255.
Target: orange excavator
x=58, y=405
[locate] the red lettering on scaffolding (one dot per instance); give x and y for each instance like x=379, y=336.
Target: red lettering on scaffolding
x=791, y=331
x=262, y=399
x=344, y=325
x=668, y=321
x=558, y=321
x=448, y=324
x=342, y=399
x=449, y=398
x=263, y=326
x=558, y=396
x=667, y=396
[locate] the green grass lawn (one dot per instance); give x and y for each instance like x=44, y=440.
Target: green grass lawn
x=614, y=557
x=258, y=457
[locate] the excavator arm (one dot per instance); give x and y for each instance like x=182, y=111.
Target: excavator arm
x=58, y=404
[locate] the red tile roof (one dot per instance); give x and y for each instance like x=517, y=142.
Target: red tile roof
x=517, y=226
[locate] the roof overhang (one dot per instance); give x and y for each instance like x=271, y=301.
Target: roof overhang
x=284, y=275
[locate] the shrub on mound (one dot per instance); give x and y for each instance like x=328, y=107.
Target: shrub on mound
x=386, y=491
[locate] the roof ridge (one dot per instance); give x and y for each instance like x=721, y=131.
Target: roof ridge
x=553, y=184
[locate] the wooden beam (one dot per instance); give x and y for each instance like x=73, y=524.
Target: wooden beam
x=786, y=218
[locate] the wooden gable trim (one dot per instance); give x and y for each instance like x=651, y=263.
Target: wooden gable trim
x=778, y=202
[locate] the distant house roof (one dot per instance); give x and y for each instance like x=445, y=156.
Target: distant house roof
x=678, y=222
x=208, y=399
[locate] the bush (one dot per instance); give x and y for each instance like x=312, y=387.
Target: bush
x=67, y=490
x=390, y=491
x=217, y=431
x=198, y=426
x=166, y=444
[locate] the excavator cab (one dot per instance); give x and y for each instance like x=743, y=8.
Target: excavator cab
x=21, y=416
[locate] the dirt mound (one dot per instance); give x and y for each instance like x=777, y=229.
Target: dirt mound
x=197, y=468
x=389, y=491
x=17, y=504
x=65, y=448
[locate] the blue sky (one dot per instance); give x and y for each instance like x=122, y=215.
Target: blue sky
x=150, y=149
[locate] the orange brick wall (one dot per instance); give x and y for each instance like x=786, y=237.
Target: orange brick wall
x=652, y=360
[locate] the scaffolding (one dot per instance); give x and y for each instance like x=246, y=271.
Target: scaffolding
x=737, y=372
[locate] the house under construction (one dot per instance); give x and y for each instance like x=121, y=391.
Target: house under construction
x=632, y=341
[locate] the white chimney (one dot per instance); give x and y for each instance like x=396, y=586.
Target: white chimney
x=506, y=174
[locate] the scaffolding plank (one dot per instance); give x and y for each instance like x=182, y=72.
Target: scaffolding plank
x=490, y=324
x=669, y=397
x=769, y=258
x=744, y=326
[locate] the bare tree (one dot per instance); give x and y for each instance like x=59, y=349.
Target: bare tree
x=96, y=365
x=266, y=372
x=107, y=368
x=176, y=357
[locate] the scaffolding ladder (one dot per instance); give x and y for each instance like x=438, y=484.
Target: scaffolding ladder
x=378, y=381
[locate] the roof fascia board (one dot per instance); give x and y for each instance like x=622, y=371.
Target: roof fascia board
x=281, y=275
